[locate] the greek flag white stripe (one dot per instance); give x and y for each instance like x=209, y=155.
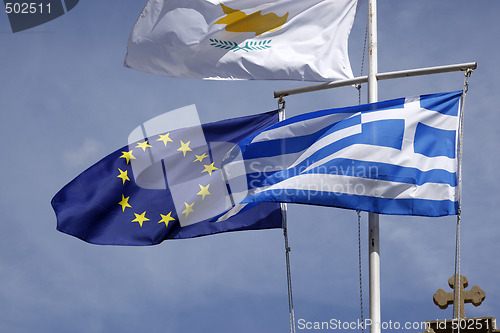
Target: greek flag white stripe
x=302, y=128
x=361, y=186
x=327, y=140
x=385, y=154
x=232, y=212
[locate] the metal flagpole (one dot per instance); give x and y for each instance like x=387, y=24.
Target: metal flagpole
x=373, y=219
x=380, y=76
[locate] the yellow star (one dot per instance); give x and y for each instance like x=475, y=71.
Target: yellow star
x=199, y=158
x=189, y=209
x=143, y=145
x=166, y=218
x=123, y=175
x=140, y=218
x=165, y=138
x=124, y=203
x=128, y=156
x=203, y=191
x=185, y=147
x=209, y=168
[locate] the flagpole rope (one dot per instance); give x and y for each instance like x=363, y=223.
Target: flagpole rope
x=288, y=271
x=358, y=86
x=358, y=212
x=457, y=287
x=281, y=113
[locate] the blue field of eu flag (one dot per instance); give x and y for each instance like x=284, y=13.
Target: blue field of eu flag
x=396, y=157
x=163, y=185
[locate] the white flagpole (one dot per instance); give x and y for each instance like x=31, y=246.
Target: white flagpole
x=373, y=219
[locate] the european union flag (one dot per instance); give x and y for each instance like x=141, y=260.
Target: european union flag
x=167, y=185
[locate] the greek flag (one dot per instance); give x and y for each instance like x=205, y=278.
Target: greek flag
x=395, y=157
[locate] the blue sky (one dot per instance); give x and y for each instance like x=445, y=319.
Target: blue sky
x=66, y=101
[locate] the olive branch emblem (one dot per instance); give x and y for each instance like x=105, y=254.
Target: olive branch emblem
x=233, y=46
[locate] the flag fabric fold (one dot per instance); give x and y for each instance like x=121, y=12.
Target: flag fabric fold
x=395, y=157
x=123, y=200
x=240, y=39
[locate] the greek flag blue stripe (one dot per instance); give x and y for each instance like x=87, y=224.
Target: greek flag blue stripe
x=446, y=104
x=384, y=105
x=420, y=207
x=359, y=169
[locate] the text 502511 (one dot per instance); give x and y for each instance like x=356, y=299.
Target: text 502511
x=27, y=8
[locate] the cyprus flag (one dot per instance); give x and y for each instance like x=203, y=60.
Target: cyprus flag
x=302, y=40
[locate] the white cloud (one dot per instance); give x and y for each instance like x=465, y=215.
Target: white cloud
x=89, y=150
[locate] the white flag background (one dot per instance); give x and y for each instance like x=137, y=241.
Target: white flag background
x=244, y=39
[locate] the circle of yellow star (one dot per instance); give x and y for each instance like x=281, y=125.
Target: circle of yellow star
x=165, y=138
x=199, y=158
x=203, y=191
x=166, y=218
x=209, y=168
x=123, y=175
x=128, y=156
x=140, y=218
x=189, y=209
x=143, y=145
x=185, y=147
x=124, y=203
